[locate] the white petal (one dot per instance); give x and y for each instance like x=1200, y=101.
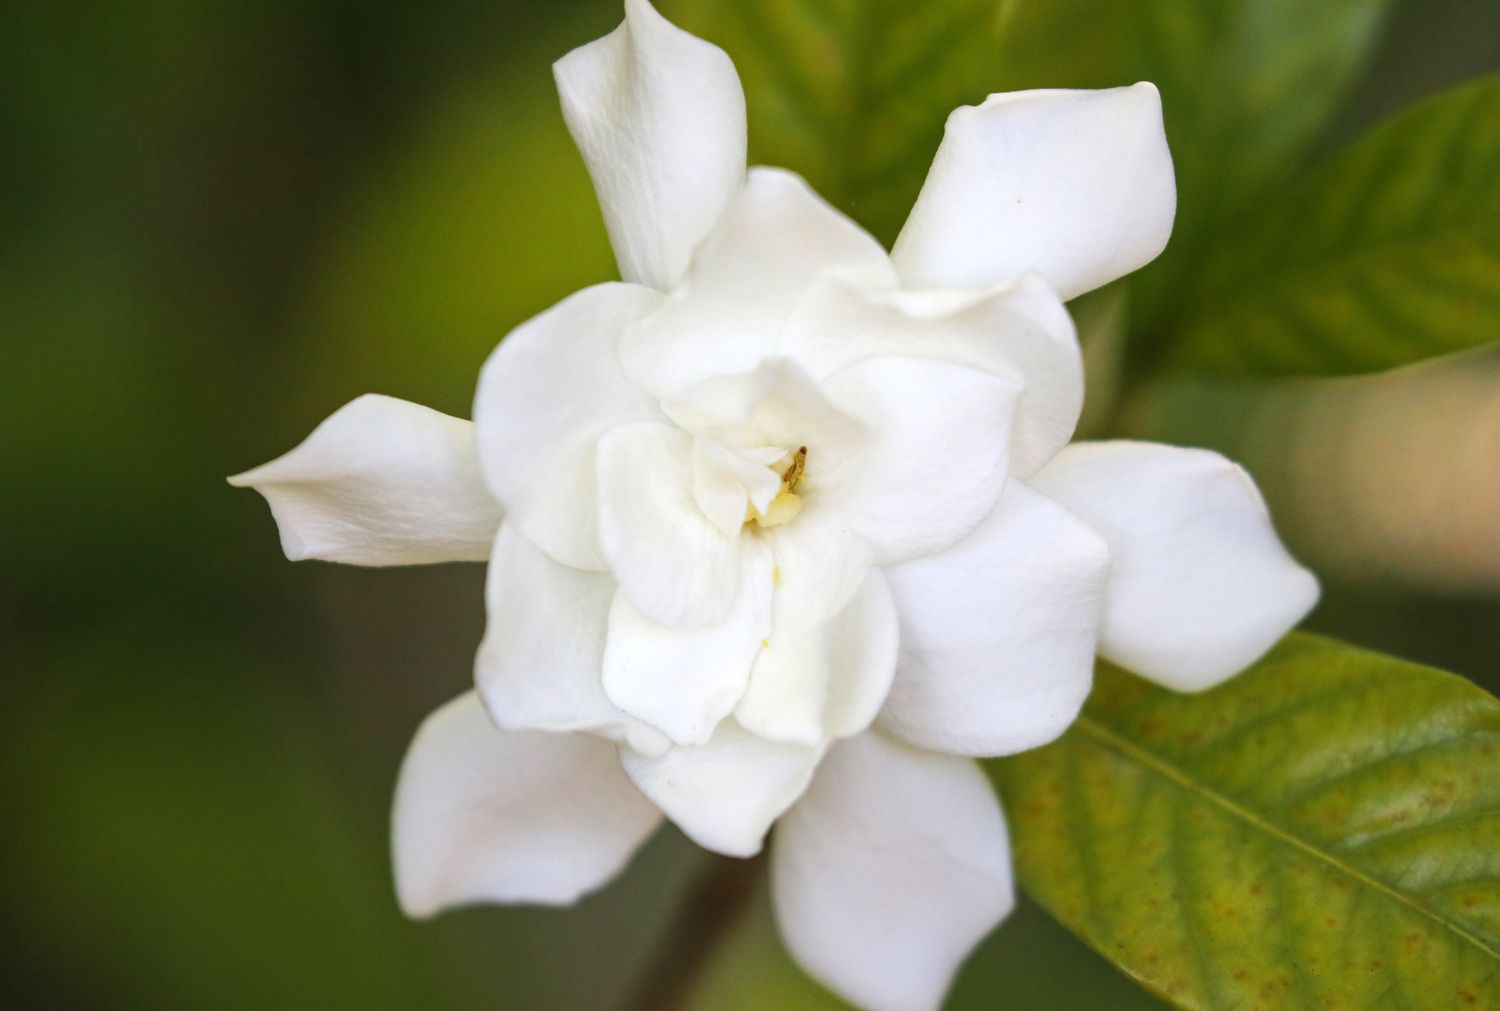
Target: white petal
x=889, y=871
x=936, y=457
x=727, y=480
x=775, y=241
x=1075, y=184
x=380, y=482
x=820, y=561
x=683, y=681
x=660, y=118
x=998, y=632
x=486, y=815
x=540, y=666
x=775, y=404
x=677, y=568
x=551, y=388
x=827, y=678
x=1020, y=328
x=1200, y=586
x=725, y=794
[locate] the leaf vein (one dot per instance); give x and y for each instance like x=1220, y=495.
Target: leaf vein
x=1106, y=737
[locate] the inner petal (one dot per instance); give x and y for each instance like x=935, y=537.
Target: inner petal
x=729, y=481
x=754, y=435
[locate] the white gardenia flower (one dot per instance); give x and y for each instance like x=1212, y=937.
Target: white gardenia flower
x=785, y=529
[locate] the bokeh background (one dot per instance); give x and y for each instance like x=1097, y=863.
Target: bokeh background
x=222, y=219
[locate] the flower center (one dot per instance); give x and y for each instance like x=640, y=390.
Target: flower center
x=787, y=503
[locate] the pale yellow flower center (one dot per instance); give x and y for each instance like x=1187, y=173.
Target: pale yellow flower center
x=787, y=503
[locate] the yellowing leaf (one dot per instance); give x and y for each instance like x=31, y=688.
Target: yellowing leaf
x=1322, y=831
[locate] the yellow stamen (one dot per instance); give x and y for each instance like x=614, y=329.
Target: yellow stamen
x=793, y=474
x=787, y=503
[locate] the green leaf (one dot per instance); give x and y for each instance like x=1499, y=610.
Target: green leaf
x=853, y=94
x=1322, y=831
x=1387, y=255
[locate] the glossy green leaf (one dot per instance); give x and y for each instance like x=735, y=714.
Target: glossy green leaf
x=1387, y=255
x=853, y=94
x=1322, y=831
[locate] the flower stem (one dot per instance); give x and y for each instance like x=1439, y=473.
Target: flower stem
x=714, y=903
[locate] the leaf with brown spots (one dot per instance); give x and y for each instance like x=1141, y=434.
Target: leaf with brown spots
x=1322, y=831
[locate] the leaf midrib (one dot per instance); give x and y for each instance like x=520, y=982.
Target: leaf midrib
x=1291, y=272
x=1103, y=735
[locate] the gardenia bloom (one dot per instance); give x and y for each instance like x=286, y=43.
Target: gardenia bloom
x=786, y=529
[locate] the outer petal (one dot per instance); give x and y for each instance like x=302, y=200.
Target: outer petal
x=1075, y=184
x=775, y=241
x=380, y=482
x=1017, y=329
x=1200, y=585
x=674, y=565
x=683, y=681
x=998, y=632
x=551, y=388
x=889, y=871
x=660, y=118
x=936, y=457
x=541, y=662
x=483, y=815
x=820, y=679
x=725, y=794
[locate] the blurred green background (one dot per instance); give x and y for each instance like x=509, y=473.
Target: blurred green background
x=222, y=219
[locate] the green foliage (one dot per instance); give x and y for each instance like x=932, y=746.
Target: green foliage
x=1388, y=254
x=853, y=94
x=1322, y=831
